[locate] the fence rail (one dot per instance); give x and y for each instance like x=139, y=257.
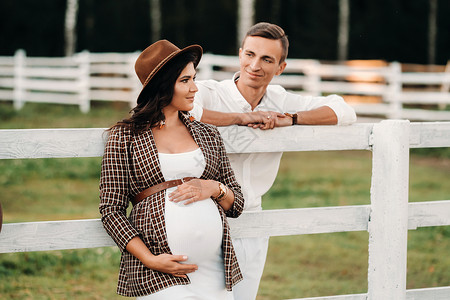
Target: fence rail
x=380, y=88
x=387, y=219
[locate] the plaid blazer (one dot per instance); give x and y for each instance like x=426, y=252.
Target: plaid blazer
x=130, y=164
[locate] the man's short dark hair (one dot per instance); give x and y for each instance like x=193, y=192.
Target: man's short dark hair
x=272, y=32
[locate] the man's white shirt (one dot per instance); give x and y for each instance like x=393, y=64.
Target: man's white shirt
x=256, y=172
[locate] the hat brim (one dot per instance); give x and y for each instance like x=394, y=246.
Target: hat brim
x=197, y=49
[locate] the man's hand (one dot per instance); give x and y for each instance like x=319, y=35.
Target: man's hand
x=265, y=119
x=283, y=122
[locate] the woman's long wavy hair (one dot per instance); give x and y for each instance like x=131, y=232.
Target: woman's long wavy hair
x=156, y=95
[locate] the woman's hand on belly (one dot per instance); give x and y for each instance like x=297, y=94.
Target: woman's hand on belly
x=170, y=264
x=165, y=263
x=194, y=190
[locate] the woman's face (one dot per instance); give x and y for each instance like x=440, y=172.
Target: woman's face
x=184, y=90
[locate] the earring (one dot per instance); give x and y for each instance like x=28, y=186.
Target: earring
x=191, y=118
x=162, y=123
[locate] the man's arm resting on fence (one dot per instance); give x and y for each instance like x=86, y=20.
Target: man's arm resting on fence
x=320, y=116
x=218, y=118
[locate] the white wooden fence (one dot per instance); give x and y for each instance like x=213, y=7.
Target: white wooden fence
x=387, y=219
x=110, y=77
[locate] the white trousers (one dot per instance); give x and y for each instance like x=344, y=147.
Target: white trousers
x=251, y=254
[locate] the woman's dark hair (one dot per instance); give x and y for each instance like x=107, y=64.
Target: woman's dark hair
x=156, y=95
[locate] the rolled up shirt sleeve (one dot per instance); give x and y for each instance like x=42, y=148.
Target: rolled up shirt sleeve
x=344, y=112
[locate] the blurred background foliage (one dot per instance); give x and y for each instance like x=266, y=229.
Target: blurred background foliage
x=385, y=29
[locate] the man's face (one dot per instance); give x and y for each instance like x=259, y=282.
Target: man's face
x=260, y=61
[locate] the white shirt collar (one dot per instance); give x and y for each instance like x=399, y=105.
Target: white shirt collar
x=262, y=104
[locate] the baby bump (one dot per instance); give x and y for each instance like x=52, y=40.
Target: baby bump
x=194, y=230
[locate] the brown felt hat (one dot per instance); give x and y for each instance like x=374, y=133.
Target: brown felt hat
x=155, y=56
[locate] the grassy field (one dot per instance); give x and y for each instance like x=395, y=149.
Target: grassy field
x=297, y=266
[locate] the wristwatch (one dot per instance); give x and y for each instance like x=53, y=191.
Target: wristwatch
x=223, y=192
x=293, y=116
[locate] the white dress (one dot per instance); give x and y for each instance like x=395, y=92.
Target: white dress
x=194, y=230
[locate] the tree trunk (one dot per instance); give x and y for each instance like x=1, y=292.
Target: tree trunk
x=155, y=17
x=344, y=27
x=246, y=15
x=70, y=26
x=432, y=32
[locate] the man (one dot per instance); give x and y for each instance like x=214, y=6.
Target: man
x=248, y=99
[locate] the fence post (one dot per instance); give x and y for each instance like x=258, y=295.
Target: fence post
x=83, y=59
x=388, y=223
x=313, y=74
x=395, y=91
x=19, y=78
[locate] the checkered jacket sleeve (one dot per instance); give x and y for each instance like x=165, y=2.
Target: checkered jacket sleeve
x=227, y=177
x=114, y=189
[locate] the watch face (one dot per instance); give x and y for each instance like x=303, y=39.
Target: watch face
x=222, y=191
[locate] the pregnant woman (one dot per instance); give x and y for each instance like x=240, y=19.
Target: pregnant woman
x=176, y=241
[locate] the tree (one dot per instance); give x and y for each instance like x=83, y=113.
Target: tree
x=155, y=17
x=432, y=31
x=70, y=25
x=344, y=29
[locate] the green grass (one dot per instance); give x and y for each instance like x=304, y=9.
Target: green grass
x=297, y=266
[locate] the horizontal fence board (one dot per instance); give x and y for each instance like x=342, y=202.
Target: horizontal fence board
x=301, y=221
x=53, y=235
x=41, y=236
x=424, y=115
x=110, y=69
x=289, y=81
x=42, y=143
x=58, y=235
x=46, y=85
x=57, y=98
x=437, y=293
x=108, y=57
x=371, y=109
x=426, y=214
x=6, y=82
x=111, y=82
x=424, y=97
x=343, y=71
x=6, y=60
x=6, y=94
x=299, y=63
x=430, y=134
x=50, y=61
x=340, y=297
x=56, y=73
x=353, y=88
x=6, y=70
x=111, y=95
x=242, y=139
x=89, y=142
x=219, y=60
x=424, y=78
